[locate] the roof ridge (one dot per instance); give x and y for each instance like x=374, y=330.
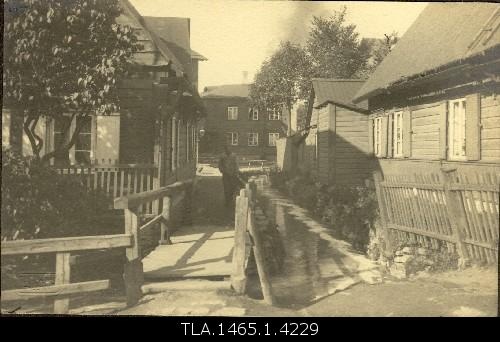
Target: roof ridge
x=338, y=79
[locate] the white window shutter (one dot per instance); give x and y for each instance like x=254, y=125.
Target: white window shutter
x=107, y=142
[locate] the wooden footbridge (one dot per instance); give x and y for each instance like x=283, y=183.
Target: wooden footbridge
x=195, y=251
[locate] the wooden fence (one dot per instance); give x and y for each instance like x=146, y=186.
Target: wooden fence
x=114, y=180
x=458, y=210
x=246, y=223
x=162, y=200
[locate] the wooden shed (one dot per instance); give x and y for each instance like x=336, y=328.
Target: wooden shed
x=336, y=147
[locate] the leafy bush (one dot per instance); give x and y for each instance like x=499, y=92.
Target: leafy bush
x=39, y=203
x=349, y=211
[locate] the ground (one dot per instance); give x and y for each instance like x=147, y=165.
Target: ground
x=471, y=292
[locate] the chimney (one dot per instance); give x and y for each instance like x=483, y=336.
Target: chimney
x=245, y=76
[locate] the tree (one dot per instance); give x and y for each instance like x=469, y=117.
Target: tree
x=334, y=47
x=282, y=79
x=63, y=57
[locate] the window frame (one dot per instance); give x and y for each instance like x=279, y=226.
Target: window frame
x=451, y=129
x=86, y=135
x=233, y=135
x=255, y=142
x=274, y=114
x=232, y=113
x=269, y=138
x=254, y=114
x=397, y=118
x=377, y=136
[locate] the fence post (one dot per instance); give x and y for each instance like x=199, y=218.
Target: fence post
x=238, y=276
x=456, y=213
x=384, y=217
x=166, y=213
x=133, y=271
x=63, y=273
x=257, y=247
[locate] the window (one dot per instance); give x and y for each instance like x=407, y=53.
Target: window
x=272, y=138
x=397, y=134
x=61, y=124
x=253, y=139
x=83, y=143
x=274, y=114
x=253, y=114
x=232, y=113
x=377, y=136
x=456, y=130
x=232, y=138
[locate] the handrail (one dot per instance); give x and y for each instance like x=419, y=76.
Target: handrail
x=133, y=201
x=67, y=244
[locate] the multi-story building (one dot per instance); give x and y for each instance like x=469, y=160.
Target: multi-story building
x=231, y=120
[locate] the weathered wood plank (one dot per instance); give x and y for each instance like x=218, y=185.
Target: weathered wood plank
x=55, y=290
x=63, y=274
x=238, y=276
x=135, y=200
x=37, y=246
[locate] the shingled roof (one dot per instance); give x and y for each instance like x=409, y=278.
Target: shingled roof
x=227, y=90
x=337, y=91
x=443, y=33
x=155, y=52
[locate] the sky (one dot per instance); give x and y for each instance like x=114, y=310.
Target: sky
x=238, y=35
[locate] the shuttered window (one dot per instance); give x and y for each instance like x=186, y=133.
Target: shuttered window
x=456, y=129
x=473, y=127
x=107, y=146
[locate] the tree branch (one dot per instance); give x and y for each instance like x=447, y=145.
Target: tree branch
x=66, y=147
x=29, y=133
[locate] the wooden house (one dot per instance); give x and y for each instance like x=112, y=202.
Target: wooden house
x=434, y=128
x=336, y=147
x=152, y=140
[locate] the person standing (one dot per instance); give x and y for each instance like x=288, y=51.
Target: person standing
x=228, y=166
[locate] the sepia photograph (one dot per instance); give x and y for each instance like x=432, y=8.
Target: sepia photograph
x=250, y=159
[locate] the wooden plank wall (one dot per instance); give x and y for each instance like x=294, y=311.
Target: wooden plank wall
x=490, y=133
x=425, y=127
x=351, y=161
x=307, y=159
x=323, y=141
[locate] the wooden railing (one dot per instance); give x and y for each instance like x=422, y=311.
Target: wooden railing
x=114, y=180
x=62, y=247
x=162, y=201
x=246, y=223
x=457, y=210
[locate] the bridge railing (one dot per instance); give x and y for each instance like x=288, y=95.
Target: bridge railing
x=247, y=220
x=62, y=247
x=162, y=201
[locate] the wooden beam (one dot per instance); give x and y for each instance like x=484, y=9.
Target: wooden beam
x=238, y=276
x=63, y=274
x=422, y=232
x=55, y=290
x=69, y=244
x=133, y=201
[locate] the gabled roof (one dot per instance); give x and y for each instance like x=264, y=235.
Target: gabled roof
x=337, y=91
x=443, y=33
x=154, y=53
x=198, y=56
x=227, y=90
